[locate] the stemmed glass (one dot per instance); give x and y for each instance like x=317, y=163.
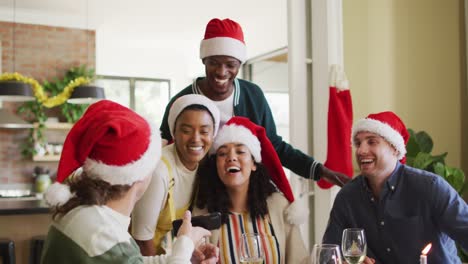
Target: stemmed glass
x=353, y=245
x=326, y=254
x=251, y=250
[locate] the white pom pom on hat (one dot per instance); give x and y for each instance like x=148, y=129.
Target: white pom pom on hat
x=58, y=194
x=297, y=212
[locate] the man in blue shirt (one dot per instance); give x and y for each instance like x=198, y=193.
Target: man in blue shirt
x=400, y=208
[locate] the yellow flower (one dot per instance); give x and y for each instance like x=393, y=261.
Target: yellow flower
x=39, y=92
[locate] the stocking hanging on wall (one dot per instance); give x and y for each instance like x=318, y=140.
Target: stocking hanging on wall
x=340, y=121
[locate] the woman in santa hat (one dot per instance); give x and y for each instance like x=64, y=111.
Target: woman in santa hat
x=194, y=122
x=237, y=181
x=105, y=167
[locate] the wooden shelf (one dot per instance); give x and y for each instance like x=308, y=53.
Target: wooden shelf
x=53, y=128
x=59, y=126
x=46, y=158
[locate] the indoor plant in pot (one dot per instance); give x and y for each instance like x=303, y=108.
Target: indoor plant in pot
x=35, y=111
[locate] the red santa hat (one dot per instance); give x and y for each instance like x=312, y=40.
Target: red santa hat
x=387, y=125
x=242, y=130
x=223, y=37
x=192, y=99
x=111, y=143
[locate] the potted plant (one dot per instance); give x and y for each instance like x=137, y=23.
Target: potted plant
x=35, y=111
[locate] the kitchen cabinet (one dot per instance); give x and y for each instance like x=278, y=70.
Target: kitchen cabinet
x=54, y=136
x=22, y=219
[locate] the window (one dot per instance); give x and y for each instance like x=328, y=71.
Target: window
x=270, y=72
x=148, y=97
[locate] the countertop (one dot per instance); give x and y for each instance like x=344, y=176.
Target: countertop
x=17, y=206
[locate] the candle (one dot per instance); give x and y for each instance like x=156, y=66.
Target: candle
x=423, y=257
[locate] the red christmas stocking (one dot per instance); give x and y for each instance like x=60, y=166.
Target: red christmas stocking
x=340, y=121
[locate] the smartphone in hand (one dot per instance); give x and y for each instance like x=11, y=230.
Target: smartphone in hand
x=210, y=222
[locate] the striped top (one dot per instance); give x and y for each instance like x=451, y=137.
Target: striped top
x=231, y=232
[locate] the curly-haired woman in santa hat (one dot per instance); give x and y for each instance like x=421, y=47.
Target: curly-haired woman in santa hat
x=115, y=149
x=194, y=122
x=237, y=181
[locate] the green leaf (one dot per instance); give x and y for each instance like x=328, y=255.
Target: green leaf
x=424, y=141
x=456, y=178
x=439, y=168
x=423, y=160
x=412, y=147
x=440, y=158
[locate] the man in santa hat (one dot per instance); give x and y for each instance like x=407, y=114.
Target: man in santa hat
x=223, y=51
x=105, y=167
x=400, y=208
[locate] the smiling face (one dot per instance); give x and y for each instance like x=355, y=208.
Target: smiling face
x=234, y=164
x=193, y=136
x=220, y=74
x=376, y=158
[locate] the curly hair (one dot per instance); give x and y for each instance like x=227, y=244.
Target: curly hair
x=213, y=195
x=89, y=191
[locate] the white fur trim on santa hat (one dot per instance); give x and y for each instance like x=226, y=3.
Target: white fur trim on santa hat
x=384, y=130
x=297, y=212
x=192, y=99
x=131, y=172
x=235, y=133
x=225, y=46
x=57, y=194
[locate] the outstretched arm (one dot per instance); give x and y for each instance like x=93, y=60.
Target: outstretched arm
x=291, y=158
x=334, y=177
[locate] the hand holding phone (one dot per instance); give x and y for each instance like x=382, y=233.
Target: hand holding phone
x=210, y=222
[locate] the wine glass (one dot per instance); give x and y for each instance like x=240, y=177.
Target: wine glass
x=251, y=250
x=353, y=245
x=326, y=254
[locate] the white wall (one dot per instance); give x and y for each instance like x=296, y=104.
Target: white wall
x=157, y=39
x=406, y=56
x=164, y=41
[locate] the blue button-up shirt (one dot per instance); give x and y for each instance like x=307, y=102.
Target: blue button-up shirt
x=415, y=208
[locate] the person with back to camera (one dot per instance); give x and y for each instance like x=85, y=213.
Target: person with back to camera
x=240, y=180
x=222, y=51
x=194, y=122
x=400, y=208
x=116, y=150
